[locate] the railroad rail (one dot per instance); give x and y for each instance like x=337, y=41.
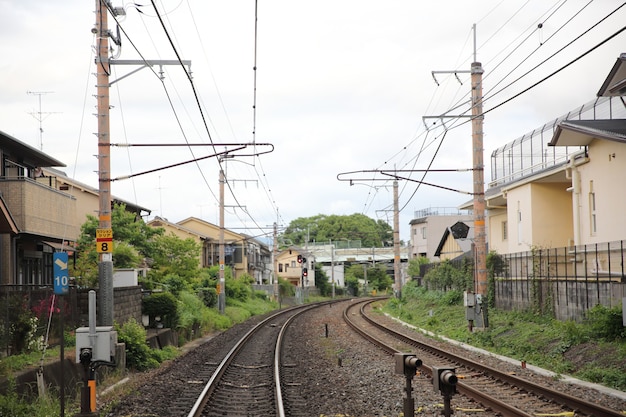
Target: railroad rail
x=248, y=380
x=506, y=394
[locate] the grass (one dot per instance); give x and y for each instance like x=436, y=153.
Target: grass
x=562, y=347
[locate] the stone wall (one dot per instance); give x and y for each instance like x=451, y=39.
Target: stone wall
x=126, y=305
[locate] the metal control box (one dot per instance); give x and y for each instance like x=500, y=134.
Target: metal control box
x=102, y=343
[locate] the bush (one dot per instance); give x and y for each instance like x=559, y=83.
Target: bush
x=605, y=323
x=208, y=296
x=138, y=353
x=193, y=316
x=164, y=305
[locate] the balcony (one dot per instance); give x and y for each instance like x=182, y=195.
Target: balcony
x=38, y=208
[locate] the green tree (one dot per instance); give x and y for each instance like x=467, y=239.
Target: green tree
x=175, y=256
x=355, y=227
x=415, y=265
x=133, y=241
x=321, y=281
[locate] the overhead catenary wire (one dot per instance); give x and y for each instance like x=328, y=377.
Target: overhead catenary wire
x=539, y=82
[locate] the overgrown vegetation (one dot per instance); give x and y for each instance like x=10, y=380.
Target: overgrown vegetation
x=594, y=350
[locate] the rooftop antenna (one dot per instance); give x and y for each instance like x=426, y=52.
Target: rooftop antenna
x=40, y=116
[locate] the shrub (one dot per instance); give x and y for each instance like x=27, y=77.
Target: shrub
x=605, y=323
x=162, y=304
x=208, y=296
x=138, y=353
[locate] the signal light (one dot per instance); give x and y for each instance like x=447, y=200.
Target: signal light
x=305, y=272
x=299, y=259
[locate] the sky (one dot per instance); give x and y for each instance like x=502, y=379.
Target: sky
x=340, y=87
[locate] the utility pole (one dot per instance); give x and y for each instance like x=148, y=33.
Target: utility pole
x=396, y=241
x=476, y=303
x=221, y=292
x=332, y=267
x=105, y=266
x=480, y=241
x=104, y=234
x=274, y=263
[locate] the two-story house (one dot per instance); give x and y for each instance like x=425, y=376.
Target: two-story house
x=242, y=253
x=288, y=267
x=36, y=217
x=559, y=185
x=41, y=211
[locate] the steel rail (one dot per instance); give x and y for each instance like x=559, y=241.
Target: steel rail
x=558, y=397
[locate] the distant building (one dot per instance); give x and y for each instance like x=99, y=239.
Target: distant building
x=428, y=226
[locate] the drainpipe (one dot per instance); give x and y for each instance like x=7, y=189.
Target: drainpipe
x=572, y=173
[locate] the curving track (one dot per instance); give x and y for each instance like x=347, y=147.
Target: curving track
x=501, y=392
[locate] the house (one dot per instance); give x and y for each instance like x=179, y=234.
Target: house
x=87, y=197
x=244, y=254
x=427, y=227
x=36, y=218
x=296, y=266
x=556, y=187
x=205, y=258
x=41, y=212
x=457, y=242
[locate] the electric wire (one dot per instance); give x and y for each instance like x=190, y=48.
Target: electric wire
x=193, y=88
x=539, y=82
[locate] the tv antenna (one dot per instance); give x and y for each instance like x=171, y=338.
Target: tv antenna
x=40, y=116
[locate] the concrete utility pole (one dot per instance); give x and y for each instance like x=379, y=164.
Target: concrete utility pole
x=275, y=264
x=105, y=266
x=396, y=241
x=480, y=241
x=104, y=234
x=221, y=293
x=476, y=303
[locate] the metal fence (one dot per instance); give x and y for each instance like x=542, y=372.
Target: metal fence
x=568, y=280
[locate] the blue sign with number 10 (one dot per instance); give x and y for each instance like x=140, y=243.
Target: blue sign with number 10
x=61, y=278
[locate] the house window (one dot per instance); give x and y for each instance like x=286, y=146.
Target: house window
x=505, y=230
x=424, y=232
x=592, y=209
x=293, y=264
x=286, y=266
x=280, y=267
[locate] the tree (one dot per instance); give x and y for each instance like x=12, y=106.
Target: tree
x=415, y=264
x=133, y=241
x=322, y=228
x=173, y=255
x=321, y=281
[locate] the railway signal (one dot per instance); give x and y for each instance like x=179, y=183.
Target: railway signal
x=444, y=380
x=407, y=364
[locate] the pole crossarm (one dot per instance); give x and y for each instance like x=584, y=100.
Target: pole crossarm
x=145, y=63
x=394, y=174
x=456, y=75
x=398, y=177
x=239, y=147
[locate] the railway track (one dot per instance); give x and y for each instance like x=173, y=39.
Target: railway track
x=501, y=392
x=248, y=379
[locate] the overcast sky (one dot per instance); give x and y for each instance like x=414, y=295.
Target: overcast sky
x=341, y=86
